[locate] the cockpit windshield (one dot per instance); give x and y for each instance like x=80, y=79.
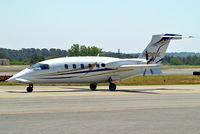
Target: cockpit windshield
x=39, y=66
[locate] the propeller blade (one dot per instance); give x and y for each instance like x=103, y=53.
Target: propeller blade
x=149, y=61
x=147, y=55
x=144, y=72
x=151, y=71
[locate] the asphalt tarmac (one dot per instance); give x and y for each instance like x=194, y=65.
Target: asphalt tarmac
x=77, y=110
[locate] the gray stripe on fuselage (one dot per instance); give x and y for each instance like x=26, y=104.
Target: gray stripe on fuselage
x=86, y=71
x=80, y=72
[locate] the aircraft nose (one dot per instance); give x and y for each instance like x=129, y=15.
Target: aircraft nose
x=20, y=75
x=11, y=79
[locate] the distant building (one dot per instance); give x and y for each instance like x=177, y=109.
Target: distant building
x=4, y=61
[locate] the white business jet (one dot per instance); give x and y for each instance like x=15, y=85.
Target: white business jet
x=97, y=69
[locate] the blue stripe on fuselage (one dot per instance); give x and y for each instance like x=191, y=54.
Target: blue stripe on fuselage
x=60, y=77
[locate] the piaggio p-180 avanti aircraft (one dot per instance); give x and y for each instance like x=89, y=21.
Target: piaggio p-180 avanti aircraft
x=97, y=69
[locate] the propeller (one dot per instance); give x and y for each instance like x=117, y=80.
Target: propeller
x=147, y=55
x=151, y=71
x=148, y=61
x=144, y=72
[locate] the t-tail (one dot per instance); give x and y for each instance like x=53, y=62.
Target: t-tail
x=155, y=51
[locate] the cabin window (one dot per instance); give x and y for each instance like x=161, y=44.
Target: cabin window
x=74, y=66
x=103, y=65
x=97, y=65
x=66, y=66
x=89, y=65
x=82, y=66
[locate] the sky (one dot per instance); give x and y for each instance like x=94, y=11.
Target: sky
x=127, y=25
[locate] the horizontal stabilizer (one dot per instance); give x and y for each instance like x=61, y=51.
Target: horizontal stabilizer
x=177, y=36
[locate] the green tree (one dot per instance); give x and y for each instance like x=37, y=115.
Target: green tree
x=176, y=61
x=77, y=50
x=83, y=50
x=94, y=51
x=35, y=58
x=74, y=50
x=2, y=55
x=15, y=62
x=53, y=57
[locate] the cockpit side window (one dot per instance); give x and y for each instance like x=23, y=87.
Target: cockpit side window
x=44, y=66
x=35, y=66
x=39, y=66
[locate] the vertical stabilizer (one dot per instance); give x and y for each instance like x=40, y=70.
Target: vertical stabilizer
x=155, y=51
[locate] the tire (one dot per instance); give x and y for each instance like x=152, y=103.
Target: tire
x=112, y=87
x=93, y=87
x=29, y=89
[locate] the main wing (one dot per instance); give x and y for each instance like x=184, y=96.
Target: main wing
x=147, y=68
x=139, y=66
x=128, y=64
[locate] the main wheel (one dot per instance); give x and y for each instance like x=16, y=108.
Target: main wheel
x=112, y=87
x=29, y=89
x=93, y=86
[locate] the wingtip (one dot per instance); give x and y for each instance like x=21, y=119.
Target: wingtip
x=191, y=36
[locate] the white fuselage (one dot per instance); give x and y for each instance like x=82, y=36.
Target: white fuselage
x=79, y=70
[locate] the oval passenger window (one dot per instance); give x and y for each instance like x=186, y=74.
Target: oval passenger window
x=103, y=65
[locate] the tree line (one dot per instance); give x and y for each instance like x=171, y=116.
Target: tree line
x=22, y=54
x=29, y=56
x=189, y=60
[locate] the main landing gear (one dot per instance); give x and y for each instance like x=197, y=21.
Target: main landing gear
x=93, y=87
x=112, y=86
x=29, y=88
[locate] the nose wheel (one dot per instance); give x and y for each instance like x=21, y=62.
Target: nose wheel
x=29, y=88
x=112, y=86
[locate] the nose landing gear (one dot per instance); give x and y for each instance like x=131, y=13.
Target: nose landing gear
x=29, y=88
x=112, y=86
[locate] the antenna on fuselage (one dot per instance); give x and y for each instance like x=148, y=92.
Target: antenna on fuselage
x=118, y=53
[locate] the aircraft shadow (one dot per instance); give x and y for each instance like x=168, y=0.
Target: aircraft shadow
x=48, y=91
x=79, y=89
